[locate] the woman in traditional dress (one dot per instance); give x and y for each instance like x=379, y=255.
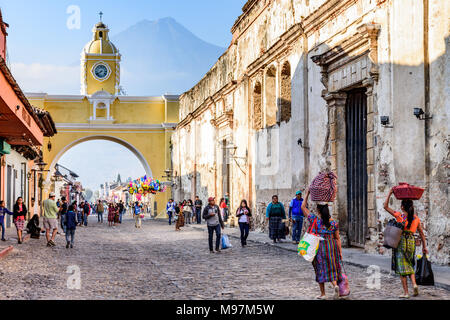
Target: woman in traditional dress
x=403, y=258
x=19, y=213
x=180, y=217
x=328, y=261
x=111, y=215
x=275, y=213
x=116, y=215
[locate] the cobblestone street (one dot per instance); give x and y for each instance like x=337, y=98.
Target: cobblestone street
x=156, y=262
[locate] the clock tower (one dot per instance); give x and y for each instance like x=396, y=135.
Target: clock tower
x=100, y=64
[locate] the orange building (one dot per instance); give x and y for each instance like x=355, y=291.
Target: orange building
x=22, y=131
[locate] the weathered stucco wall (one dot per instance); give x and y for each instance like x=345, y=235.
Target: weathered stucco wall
x=406, y=49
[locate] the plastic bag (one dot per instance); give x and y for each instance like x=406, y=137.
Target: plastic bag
x=424, y=274
x=226, y=242
x=308, y=246
x=344, y=287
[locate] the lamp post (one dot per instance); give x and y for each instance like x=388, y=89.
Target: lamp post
x=41, y=169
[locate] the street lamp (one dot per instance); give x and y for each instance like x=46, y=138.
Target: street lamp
x=41, y=165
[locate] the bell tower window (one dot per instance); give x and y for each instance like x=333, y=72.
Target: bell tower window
x=100, y=34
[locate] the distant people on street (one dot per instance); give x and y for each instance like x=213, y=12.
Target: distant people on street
x=188, y=210
x=275, y=213
x=170, y=210
x=111, y=214
x=71, y=225
x=198, y=210
x=328, y=260
x=137, y=214
x=86, y=212
x=296, y=216
x=100, y=209
x=403, y=257
x=79, y=209
x=19, y=213
x=121, y=211
x=223, y=209
x=179, y=217
x=33, y=227
x=214, y=221
x=62, y=212
x=50, y=221
x=243, y=213
x=116, y=215
x=3, y=212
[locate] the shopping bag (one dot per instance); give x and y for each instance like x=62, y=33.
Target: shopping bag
x=344, y=288
x=424, y=274
x=226, y=242
x=308, y=246
x=393, y=233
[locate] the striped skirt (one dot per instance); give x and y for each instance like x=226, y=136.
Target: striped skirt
x=276, y=228
x=403, y=257
x=327, y=262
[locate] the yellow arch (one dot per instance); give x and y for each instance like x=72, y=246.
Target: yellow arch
x=111, y=138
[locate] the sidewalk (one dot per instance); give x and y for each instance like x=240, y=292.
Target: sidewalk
x=352, y=256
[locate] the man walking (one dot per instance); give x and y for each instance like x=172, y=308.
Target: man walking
x=100, y=210
x=296, y=216
x=50, y=220
x=121, y=210
x=213, y=218
x=198, y=209
x=170, y=209
x=86, y=211
x=62, y=213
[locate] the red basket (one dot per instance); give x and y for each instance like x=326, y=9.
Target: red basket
x=406, y=191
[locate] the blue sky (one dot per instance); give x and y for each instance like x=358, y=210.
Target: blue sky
x=43, y=49
x=32, y=21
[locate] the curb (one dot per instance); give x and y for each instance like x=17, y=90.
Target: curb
x=356, y=264
x=5, y=252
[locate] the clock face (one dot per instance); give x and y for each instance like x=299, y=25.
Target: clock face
x=101, y=71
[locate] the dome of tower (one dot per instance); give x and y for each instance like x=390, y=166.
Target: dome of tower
x=100, y=44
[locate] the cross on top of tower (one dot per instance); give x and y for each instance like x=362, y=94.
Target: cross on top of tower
x=101, y=16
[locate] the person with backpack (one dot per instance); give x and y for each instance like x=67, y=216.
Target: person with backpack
x=70, y=225
x=403, y=257
x=100, y=210
x=215, y=223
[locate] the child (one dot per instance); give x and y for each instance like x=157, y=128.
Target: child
x=3, y=211
x=71, y=225
x=33, y=227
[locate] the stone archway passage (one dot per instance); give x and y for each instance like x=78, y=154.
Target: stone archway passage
x=122, y=142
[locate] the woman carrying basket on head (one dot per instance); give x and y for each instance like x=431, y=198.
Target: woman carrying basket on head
x=328, y=260
x=403, y=257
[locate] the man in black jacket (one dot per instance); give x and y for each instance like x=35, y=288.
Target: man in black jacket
x=198, y=209
x=213, y=218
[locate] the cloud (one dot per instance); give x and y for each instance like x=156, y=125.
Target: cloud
x=52, y=79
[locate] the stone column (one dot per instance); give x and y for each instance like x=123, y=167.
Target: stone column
x=336, y=155
x=372, y=216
